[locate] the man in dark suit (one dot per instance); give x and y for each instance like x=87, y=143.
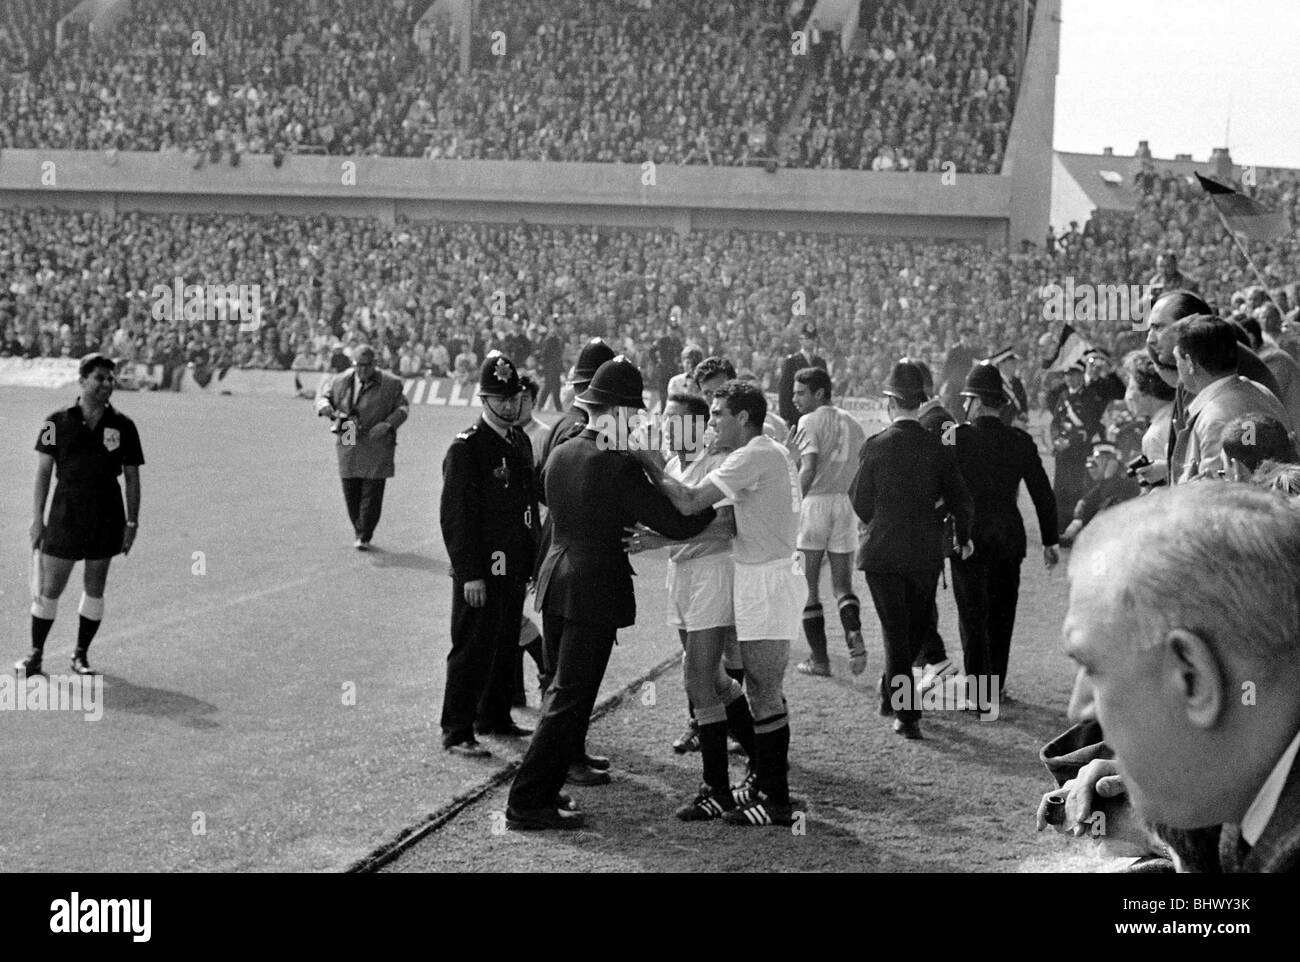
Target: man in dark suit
x=489, y=523
x=595, y=490
x=367, y=407
x=903, y=474
x=994, y=459
x=1215, y=752
x=932, y=659
x=552, y=363
x=792, y=365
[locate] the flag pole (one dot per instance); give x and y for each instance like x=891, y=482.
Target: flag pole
x=1244, y=253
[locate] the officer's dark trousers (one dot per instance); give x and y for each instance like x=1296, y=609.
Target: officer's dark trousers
x=365, y=500
x=986, y=594
x=1069, y=484
x=481, y=665
x=903, y=602
x=932, y=650
x=566, y=712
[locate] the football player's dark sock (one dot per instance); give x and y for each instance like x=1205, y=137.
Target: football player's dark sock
x=43, y=612
x=814, y=628
x=850, y=613
x=773, y=751
x=737, y=673
x=713, y=755
x=741, y=725
x=92, y=613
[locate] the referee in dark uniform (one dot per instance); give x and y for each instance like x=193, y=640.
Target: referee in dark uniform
x=489, y=522
x=595, y=491
x=903, y=474
x=994, y=458
x=792, y=365
x=85, y=447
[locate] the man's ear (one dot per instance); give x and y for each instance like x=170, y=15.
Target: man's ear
x=1195, y=677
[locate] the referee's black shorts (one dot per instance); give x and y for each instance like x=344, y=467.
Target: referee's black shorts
x=86, y=522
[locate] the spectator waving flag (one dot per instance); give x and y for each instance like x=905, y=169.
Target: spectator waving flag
x=1070, y=347
x=1243, y=214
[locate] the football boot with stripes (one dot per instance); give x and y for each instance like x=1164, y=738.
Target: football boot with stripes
x=706, y=806
x=761, y=811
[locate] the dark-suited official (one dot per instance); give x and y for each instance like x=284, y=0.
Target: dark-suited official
x=595, y=490
x=903, y=474
x=806, y=357
x=994, y=458
x=489, y=523
x=367, y=407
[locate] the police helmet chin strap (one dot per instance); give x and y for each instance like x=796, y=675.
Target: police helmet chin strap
x=490, y=413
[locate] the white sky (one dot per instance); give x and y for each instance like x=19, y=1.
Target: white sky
x=1171, y=71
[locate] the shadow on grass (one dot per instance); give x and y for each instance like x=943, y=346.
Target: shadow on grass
x=123, y=695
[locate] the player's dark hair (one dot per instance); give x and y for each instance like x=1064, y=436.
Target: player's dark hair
x=711, y=367
x=742, y=396
x=1209, y=341
x=97, y=360
x=1271, y=441
x=816, y=379
x=1183, y=303
x=693, y=403
x=529, y=384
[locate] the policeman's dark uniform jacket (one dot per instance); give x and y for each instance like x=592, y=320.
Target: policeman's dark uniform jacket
x=1076, y=419
x=791, y=366
x=584, y=585
x=903, y=474
x=939, y=421
x=87, y=519
x=594, y=353
x=994, y=459
x=489, y=522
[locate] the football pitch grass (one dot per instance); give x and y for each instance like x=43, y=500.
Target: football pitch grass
x=271, y=696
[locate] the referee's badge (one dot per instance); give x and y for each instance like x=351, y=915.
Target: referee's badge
x=112, y=438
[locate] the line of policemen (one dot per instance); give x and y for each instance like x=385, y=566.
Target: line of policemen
x=908, y=480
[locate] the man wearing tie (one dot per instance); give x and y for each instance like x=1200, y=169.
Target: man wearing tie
x=367, y=406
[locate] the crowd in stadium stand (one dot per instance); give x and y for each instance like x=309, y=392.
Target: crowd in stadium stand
x=427, y=294
x=935, y=82
x=674, y=81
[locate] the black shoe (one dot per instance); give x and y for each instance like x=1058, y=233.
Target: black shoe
x=586, y=777
x=505, y=731
x=706, y=806
x=761, y=811
x=687, y=741
x=542, y=819
x=468, y=748
x=565, y=803
x=910, y=730
x=81, y=666
x=31, y=664
x=599, y=762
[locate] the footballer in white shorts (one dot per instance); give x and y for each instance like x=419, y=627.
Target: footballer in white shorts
x=769, y=599
x=827, y=523
x=700, y=593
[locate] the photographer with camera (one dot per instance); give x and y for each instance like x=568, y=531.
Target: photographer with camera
x=366, y=407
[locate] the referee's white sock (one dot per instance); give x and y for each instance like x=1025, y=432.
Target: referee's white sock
x=92, y=613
